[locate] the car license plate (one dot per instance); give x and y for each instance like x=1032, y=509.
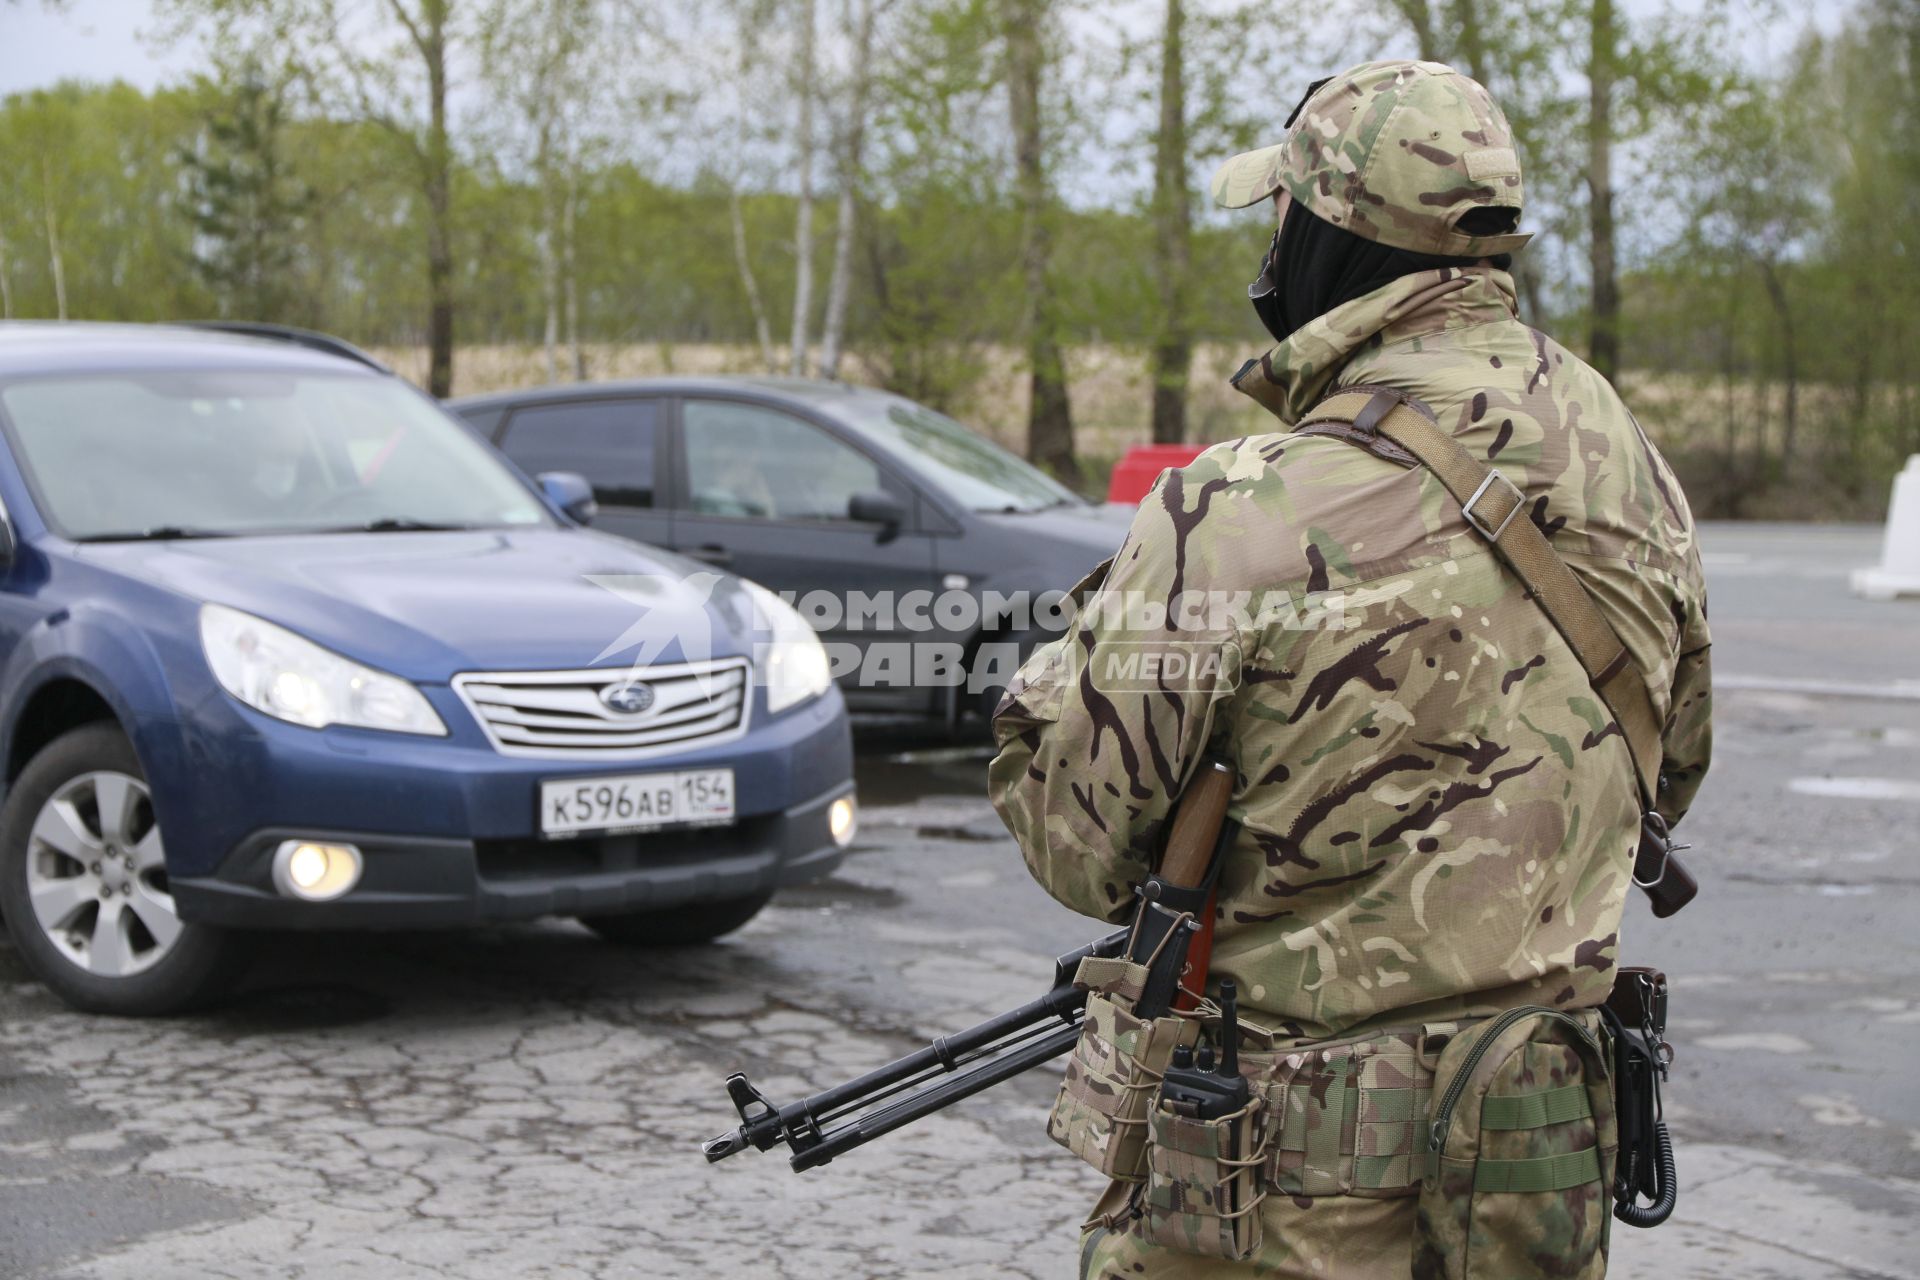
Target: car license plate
x=636, y=802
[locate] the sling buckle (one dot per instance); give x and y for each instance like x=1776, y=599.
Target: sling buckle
x=1519, y=501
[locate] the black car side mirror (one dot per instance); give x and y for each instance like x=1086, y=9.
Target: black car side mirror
x=569, y=491
x=878, y=508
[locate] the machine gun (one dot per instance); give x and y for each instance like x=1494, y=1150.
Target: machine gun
x=1170, y=929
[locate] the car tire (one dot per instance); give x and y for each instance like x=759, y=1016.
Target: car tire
x=678, y=926
x=84, y=894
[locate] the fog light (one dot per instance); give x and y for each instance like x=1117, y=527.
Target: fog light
x=314, y=871
x=840, y=821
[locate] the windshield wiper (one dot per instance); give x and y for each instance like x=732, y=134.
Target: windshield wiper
x=158, y=533
x=400, y=524
x=1015, y=509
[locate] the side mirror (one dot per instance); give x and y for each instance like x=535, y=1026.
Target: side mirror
x=9, y=542
x=569, y=491
x=878, y=508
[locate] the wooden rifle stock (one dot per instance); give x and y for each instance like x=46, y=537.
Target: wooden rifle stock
x=1195, y=830
x=1193, y=841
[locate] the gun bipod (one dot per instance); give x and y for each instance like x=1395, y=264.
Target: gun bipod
x=945, y=1071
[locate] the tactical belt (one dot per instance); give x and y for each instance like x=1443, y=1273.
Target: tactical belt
x=1395, y=426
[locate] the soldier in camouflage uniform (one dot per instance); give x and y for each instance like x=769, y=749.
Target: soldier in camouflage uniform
x=1437, y=814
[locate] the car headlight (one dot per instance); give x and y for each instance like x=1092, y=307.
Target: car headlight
x=792, y=662
x=291, y=678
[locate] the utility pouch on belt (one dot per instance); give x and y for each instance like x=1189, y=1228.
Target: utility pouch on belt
x=1203, y=1182
x=1205, y=1149
x=1520, y=1152
x=1101, y=1111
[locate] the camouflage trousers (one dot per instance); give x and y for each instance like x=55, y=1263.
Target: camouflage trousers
x=1344, y=1121
x=1325, y=1238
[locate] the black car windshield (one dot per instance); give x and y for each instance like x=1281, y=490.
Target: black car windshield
x=973, y=471
x=179, y=453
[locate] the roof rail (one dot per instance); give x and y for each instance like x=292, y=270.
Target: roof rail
x=287, y=333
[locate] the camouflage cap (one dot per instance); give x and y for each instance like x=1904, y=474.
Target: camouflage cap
x=1397, y=152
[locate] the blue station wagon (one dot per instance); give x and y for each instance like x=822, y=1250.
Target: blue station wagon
x=284, y=645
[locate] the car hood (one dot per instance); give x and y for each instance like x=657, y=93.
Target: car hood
x=1094, y=526
x=429, y=605
x=1046, y=550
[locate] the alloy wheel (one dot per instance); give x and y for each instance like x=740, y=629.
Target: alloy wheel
x=97, y=876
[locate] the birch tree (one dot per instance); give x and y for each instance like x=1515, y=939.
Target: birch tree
x=535, y=57
x=1025, y=26
x=1173, y=236
x=56, y=262
x=389, y=63
x=1602, y=67
x=742, y=81
x=48, y=145
x=852, y=158
x=805, y=90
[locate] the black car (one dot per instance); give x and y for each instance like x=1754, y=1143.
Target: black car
x=899, y=513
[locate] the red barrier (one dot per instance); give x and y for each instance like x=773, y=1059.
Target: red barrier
x=1135, y=473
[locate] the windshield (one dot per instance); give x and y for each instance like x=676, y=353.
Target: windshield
x=973, y=471
x=195, y=453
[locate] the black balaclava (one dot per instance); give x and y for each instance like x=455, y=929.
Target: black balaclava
x=1313, y=267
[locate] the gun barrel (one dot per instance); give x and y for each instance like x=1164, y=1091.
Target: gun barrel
x=957, y=1066
x=940, y=1094
x=798, y=1124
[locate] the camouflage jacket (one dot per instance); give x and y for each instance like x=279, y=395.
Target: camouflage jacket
x=1437, y=813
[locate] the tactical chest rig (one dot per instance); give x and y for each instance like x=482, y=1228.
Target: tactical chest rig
x=1392, y=425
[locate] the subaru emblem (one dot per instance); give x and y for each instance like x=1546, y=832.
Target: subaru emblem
x=629, y=697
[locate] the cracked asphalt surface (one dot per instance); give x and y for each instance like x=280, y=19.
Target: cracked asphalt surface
x=529, y=1102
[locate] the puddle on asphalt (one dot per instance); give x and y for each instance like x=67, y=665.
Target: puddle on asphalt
x=1856, y=788
x=837, y=892
x=898, y=765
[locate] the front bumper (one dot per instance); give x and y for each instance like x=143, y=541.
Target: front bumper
x=448, y=827
x=413, y=882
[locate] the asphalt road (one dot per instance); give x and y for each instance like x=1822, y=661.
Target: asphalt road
x=527, y=1102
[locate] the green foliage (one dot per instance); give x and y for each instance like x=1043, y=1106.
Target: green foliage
x=245, y=205
x=1770, y=218
x=1787, y=294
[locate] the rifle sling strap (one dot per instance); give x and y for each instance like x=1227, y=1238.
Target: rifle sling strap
x=1387, y=422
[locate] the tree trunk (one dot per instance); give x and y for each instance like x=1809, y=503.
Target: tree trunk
x=1603, y=347
x=439, y=208
x=803, y=214
x=53, y=241
x=569, y=271
x=549, y=248
x=1470, y=40
x=1789, y=359
x=1049, y=415
x=839, y=285
x=1470, y=48
x=744, y=262
x=6, y=284
x=1732, y=487
x=1173, y=239
x=1419, y=18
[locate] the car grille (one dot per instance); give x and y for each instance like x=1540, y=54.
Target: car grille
x=561, y=712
